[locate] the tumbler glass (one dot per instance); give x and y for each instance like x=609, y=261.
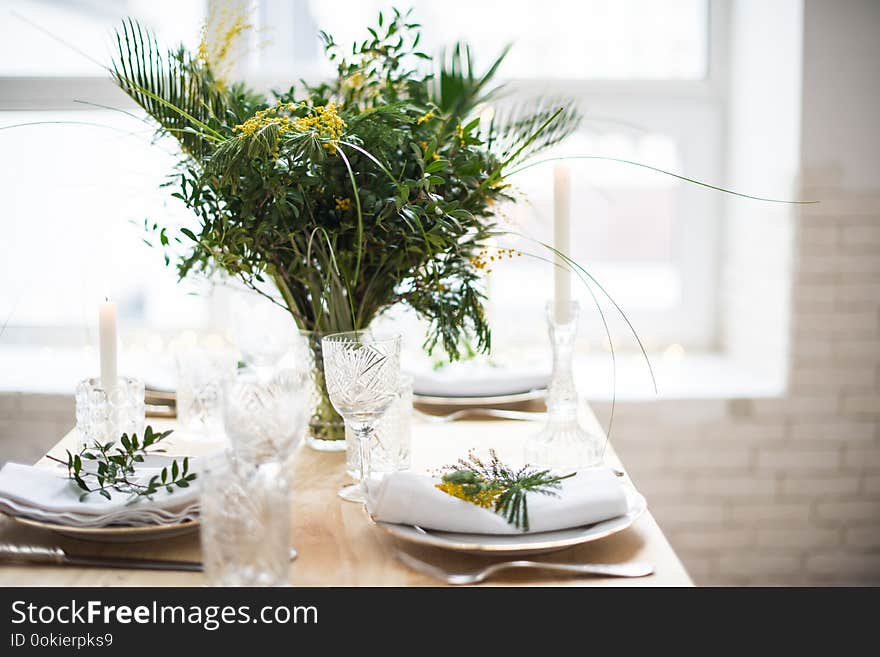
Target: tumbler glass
x=245, y=514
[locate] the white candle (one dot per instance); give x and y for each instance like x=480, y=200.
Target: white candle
x=562, y=240
x=107, y=338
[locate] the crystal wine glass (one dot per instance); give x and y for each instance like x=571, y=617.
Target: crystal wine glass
x=264, y=413
x=362, y=371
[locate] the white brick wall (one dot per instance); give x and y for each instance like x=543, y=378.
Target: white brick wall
x=786, y=490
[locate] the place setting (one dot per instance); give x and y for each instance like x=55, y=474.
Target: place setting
x=222, y=466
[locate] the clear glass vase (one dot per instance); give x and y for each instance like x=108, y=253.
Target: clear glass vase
x=563, y=443
x=326, y=429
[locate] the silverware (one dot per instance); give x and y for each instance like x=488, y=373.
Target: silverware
x=632, y=569
x=467, y=413
x=57, y=556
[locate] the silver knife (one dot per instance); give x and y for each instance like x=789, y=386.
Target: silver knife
x=57, y=556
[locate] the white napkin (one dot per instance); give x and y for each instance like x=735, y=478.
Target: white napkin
x=410, y=498
x=50, y=496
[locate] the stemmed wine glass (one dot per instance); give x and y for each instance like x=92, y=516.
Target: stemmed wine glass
x=362, y=372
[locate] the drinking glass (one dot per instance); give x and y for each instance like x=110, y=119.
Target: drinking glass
x=201, y=375
x=362, y=371
x=264, y=413
x=245, y=514
x=392, y=436
x=262, y=331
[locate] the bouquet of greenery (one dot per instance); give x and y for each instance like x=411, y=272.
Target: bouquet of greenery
x=349, y=196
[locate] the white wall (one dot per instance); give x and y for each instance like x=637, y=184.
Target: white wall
x=787, y=490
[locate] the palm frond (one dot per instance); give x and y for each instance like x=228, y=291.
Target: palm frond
x=510, y=128
x=458, y=90
x=169, y=85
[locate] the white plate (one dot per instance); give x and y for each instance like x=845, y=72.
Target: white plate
x=116, y=534
x=521, y=543
x=479, y=378
x=482, y=402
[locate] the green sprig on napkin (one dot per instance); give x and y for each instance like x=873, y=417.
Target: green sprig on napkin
x=115, y=467
x=494, y=485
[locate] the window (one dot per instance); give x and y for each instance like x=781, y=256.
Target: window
x=649, y=77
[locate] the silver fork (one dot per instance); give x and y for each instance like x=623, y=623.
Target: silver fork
x=632, y=569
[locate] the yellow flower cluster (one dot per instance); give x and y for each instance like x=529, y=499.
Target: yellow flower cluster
x=267, y=117
x=485, y=498
x=323, y=120
x=424, y=118
x=354, y=81
x=343, y=204
x=483, y=260
x=223, y=36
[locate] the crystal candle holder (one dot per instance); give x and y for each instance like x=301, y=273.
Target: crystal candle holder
x=390, y=447
x=104, y=416
x=563, y=443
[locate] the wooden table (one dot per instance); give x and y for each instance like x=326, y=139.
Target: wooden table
x=336, y=544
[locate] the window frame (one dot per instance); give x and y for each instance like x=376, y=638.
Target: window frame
x=668, y=106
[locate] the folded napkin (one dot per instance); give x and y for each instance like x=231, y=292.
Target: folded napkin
x=49, y=496
x=410, y=498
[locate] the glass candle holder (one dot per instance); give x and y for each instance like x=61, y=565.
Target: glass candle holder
x=104, y=416
x=390, y=447
x=563, y=443
x=245, y=514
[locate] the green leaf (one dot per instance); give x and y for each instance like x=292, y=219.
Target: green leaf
x=437, y=165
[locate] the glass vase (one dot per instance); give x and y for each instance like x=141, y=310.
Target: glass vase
x=326, y=429
x=563, y=443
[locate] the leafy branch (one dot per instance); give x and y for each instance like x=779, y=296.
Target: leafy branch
x=493, y=484
x=114, y=467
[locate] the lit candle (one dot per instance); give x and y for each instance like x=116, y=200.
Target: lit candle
x=562, y=241
x=107, y=339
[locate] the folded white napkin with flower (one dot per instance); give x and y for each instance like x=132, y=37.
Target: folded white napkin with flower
x=49, y=496
x=411, y=498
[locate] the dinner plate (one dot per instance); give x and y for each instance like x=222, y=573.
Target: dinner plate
x=484, y=401
x=116, y=534
x=519, y=544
